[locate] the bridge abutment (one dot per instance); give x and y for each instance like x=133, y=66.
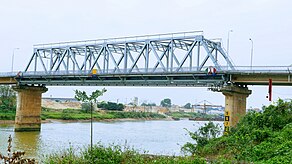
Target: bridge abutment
x=28, y=110
x=235, y=104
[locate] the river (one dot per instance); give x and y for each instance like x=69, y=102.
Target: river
x=155, y=137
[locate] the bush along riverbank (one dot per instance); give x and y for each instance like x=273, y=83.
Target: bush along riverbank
x=75, y=114
x=258, y=138
x=78, y=114
x=116, y=155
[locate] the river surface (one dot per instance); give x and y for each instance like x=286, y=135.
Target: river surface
x=155, y=137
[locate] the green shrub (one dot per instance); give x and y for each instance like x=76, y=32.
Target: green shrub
x=116, y=154
x=258, y=137
x=111, y=106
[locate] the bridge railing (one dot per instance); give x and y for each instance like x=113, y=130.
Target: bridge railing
x=179, y=35
x=238, y=69
x=261, y=69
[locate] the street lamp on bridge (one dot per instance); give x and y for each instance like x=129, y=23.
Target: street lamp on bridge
x=251, y=53
x=13, y=58
x=228, y=41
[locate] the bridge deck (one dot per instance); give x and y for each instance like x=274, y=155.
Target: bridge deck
x=257, y=76
x=7, y=80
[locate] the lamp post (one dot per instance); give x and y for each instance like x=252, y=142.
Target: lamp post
x=13, y=58
x=228, y=41
x=251, y=53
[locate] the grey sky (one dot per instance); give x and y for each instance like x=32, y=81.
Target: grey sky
x=267, y=22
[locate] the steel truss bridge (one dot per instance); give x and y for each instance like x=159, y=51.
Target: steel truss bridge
x=175, y=59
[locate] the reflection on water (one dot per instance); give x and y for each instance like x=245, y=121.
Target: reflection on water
x=156, y=137
x=27, y=141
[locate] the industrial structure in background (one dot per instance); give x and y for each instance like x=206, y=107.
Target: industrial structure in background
x=205, y=106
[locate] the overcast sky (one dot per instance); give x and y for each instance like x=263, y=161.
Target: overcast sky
x=267, y=22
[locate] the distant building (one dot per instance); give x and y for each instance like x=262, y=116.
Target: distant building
x=135, y=101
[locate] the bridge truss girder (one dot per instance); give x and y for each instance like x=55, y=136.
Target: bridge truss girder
x=147, y=56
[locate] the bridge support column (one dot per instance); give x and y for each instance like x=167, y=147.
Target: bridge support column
x=235, y=104
x=28, y=110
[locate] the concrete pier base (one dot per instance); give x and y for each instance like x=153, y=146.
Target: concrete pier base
x=235, y=104
x=28, y=110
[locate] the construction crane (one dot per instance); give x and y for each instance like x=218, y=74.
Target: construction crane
x=203, y=105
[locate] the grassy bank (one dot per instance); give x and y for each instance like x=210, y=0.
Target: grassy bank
x=76, y=114
x=116, y=155
x=7, y=115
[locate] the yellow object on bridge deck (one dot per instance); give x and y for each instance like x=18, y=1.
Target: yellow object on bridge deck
x=7, y=80
x=94, y=71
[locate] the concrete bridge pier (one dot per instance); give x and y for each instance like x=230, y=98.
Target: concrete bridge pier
x=235, y=104
x=28, y=110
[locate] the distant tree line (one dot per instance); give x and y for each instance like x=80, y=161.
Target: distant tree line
x=111, y=106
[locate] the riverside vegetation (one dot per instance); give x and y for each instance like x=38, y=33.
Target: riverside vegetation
x=258, y=138
x=79, y=114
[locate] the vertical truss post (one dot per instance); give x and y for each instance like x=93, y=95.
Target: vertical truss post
x=68, y=60
x=125, y=58
x=51, y=60
x=147, y=56
x=104, y=60
x=191, y=59
x=198, y=56
x=167, y=58
x=171, y=56
x=90, y=58
x=85, y=59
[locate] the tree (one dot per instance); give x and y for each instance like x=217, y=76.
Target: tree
x=111, y=106
x=166, y=102
x=82, y=96
x=7, y=98
x=201, y=137
x=188, y=106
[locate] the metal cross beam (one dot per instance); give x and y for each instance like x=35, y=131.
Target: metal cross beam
x=165, y=53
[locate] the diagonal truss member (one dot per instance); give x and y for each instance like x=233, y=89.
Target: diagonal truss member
x=164, y=53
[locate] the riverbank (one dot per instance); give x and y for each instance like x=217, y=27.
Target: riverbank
x=77, y=115
x=258, y=138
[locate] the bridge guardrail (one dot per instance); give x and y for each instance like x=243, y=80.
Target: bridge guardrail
x=238, y=69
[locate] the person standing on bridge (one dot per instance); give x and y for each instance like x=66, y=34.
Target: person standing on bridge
x=211, y=70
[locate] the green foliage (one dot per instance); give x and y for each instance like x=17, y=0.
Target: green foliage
x=116, y=154
x=111, y=106
x=83, y=97
x=7, y=98
x=188, y=106
x=86, y=107
x=66, y=114
x=75, y=114
x=7, y=116
x=166, y=102
x=258, y=137
x=202, y=137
